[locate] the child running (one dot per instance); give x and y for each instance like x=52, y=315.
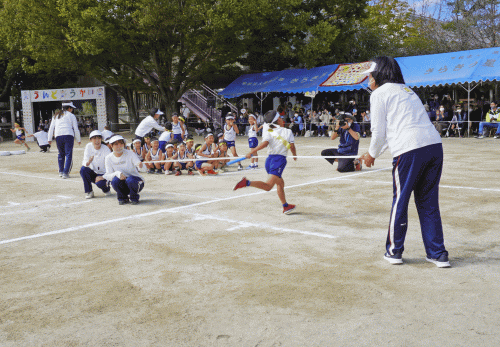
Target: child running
x=156, y=155
x=20, y=138
x=230, y=132
x=279, y=140
x=252, y=139
x=184, y=163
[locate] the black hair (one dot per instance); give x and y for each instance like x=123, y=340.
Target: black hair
x=152, y=111
x=168, y=126
x=387, y=71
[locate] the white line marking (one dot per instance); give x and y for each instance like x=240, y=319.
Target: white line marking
x=33, y=176
x=167, y=210
x=244, y=224
x=15, y=204
x=440, y=186
x=40, y=207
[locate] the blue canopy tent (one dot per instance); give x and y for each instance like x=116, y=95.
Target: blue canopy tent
x=419, y=71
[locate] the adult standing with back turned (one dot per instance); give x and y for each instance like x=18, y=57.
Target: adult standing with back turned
x=65, y=129
x=400, y=122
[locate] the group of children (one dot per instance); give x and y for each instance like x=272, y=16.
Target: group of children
x=175, y=152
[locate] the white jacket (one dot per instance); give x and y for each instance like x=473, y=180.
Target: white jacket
x=65, y=125
x=98, y=163
x=146, y=125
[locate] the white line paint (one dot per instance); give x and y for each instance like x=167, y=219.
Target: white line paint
x=41, y=177
x=162, y=211
x=42, y=207
x=17, y=204
x=244, y=224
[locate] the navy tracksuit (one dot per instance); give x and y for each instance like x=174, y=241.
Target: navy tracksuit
x=417, y=171
x=89, y=176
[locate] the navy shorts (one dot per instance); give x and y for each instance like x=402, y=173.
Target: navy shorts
x=178, y=137
x=199, y=163
x=163, y=144
x=253, y=142
x=20, y=137
x=275, y=164
x=230, y=144
x=183, y=166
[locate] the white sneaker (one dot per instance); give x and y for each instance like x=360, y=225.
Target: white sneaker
x=89, y=195
x=108, y=193
x=65, y=176
x=60, y=174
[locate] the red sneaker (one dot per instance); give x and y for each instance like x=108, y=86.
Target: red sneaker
x=178, y=173
x=211, y=172
x=241, y=184
x=288, y=209
x=190, y=173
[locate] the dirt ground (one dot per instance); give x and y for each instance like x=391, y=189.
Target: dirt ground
x=198, y=264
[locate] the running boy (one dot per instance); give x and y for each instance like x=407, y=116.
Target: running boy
x=20, y=138
x=279, y=140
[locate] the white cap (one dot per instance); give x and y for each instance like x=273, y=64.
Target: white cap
x=169, y=145
x=229, y=117
x=159, y=112
x=370, y=69
x=136, y=140
x=68, y=104
x=115, y=138
x=252, y=115
x=209, y=134
x=95, y=133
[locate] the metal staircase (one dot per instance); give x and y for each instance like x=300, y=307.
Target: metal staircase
x=199, y=102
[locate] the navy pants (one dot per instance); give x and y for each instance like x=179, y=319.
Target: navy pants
x=345, y=165
x=132, y=185
x=417, y=171
x=65, y=148
x=89, y=176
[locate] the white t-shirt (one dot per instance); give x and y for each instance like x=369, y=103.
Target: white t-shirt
x=278, y=139
x=42, y=138
x=98, y=164
x=147, y=125
x=65, y=125
x=229, y=134
x=125, y=164
x=399, y=121
x=165, y=136
x=251, y=131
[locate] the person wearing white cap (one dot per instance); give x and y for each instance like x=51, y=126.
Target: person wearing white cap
x=252, y=139
x=149, y=123
x=121, y=171
x=93, y=165
x=64, y=128
x=400, y=123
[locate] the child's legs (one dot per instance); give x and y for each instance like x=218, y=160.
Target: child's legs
x=233, y=151
x=120, y=188
x=267, y=186
x=88, y=177
x=135, y=185
x=102, y=184
x=167, y=166
x=68, y=148
x=157, y=165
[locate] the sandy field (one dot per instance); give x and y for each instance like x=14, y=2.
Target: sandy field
x=198, y=264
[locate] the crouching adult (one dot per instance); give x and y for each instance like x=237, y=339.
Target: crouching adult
x=93, y=165
x=121, y=171
x=348, y=132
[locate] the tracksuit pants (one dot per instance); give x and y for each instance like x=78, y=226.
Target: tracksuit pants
x=417, y=171
x=89, y=176
x=65, y=157
x=345, y=165
x=132, y=185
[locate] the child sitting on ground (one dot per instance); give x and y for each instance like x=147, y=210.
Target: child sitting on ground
x=169, y=155
x=221, y=153
x=155, y=155
x=184, y=163
x=138, y=149
x=205, y=151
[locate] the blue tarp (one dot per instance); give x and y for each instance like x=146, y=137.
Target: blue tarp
x=419, y=71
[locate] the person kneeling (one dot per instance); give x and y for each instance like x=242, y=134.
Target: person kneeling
x=121, y=170
x=348, y=131
x=93, y=165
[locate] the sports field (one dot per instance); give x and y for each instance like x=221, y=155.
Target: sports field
x=198, y=264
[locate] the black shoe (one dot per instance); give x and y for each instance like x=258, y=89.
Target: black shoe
x=151, y=171
x=442, y=261
x=159, y=171
x=123, y=202
x=395, y=259
x=134, y=202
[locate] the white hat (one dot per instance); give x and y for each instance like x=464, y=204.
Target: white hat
x=159, y=112
x=371, y=69
x=68, y=104
x=115, y=138
x=209, y=134
x=136, y=140
x=169, y=145
x=95, y=133
x=252, y=115
x=229, y=117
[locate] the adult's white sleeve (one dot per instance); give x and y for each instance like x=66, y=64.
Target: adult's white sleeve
x=157, y=126
x=50, y=135
x=74, y=123
x=378, y=111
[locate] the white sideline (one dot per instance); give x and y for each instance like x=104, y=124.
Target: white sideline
x=173, y=209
